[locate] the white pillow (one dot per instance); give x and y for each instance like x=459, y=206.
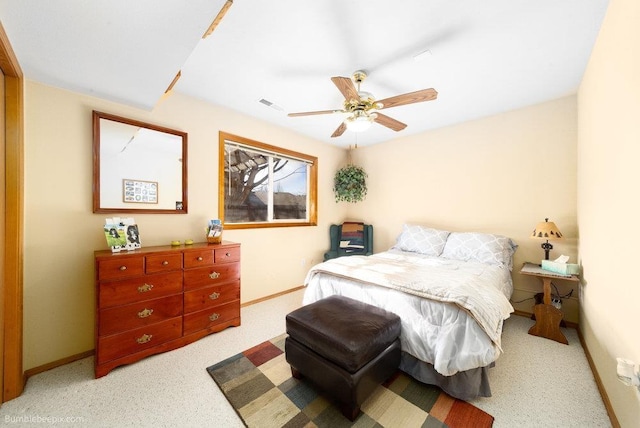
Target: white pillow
x=480, y=247
x=421, y=239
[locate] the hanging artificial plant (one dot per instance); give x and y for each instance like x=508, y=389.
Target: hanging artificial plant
x=349, y=184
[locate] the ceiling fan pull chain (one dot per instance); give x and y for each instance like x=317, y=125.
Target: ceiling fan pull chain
x=354, y=147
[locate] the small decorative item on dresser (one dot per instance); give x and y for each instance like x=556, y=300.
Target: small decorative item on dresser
x=115, y=234
x=214, y=232
x=122, y=234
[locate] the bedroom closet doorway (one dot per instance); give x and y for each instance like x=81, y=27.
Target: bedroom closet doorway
x=11, y=221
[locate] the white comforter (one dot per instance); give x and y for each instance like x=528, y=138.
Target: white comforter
x=452, y=311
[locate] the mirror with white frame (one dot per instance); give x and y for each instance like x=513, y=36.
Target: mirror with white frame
x=138, y=167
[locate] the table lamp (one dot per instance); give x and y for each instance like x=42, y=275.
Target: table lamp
x=546, y=230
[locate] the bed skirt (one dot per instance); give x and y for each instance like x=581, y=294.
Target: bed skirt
x=465, y=385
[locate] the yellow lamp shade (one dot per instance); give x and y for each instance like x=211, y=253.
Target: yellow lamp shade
x=546, y=230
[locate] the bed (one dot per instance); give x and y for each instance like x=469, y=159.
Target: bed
x=451, y=291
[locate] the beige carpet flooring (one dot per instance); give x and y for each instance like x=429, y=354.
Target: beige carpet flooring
x=536, y=383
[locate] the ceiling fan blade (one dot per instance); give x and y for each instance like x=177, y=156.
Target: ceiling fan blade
x=311, y=113
x=339, y=131
x=346, y=86
x=389, y=122
x=410, y=98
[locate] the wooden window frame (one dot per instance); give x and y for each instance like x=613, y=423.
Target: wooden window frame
x=312, y=207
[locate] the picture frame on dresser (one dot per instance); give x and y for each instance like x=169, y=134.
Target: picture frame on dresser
x=115, y=235
x=133, y=237
x=122, y=234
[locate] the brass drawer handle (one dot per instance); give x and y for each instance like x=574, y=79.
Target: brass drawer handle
x=145, y=313
x=199, y=259
x=144, y=288
x=214, y=295
x=228, y=254
x=164, y=263
x=123, y=268
x=214, y=275
x=214, y=317
x=145, y=338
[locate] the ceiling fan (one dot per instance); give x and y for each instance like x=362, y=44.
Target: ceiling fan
x=362, y=108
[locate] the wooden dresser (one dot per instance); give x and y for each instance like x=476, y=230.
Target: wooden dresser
x=156, y=299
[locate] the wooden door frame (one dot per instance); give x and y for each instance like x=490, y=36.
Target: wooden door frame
x=14, y=379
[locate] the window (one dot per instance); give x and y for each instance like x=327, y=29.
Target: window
x=265, y=186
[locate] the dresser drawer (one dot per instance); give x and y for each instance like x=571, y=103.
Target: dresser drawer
x=214, y=275
x=163, y=263
x=230, y=254
x=133, y=290
x=139, y=339
x=207, y=297
x=194, y=259
x=120, y=267
x=127, y=317
x=210, y=317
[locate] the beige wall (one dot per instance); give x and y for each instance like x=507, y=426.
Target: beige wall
x=501, y=174
x=608, y=206
x=62, y=232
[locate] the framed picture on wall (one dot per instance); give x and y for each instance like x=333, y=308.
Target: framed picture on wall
x=139, y=191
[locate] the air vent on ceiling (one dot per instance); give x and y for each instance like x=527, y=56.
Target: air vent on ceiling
x=270, y=104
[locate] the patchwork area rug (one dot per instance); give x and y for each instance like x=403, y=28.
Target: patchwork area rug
x=259, y=386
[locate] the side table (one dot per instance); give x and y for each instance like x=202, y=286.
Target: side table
x=548, y=317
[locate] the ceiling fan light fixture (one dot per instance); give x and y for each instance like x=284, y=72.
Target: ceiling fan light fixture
x=359, y=122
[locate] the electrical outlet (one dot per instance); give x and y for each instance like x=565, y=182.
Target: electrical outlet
x=556, y=302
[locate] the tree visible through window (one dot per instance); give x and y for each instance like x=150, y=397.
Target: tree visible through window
x=265, y=186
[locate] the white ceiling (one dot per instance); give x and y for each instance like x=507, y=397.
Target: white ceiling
x=486, y=57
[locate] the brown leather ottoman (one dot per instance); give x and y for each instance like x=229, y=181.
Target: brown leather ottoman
x=344, y=347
